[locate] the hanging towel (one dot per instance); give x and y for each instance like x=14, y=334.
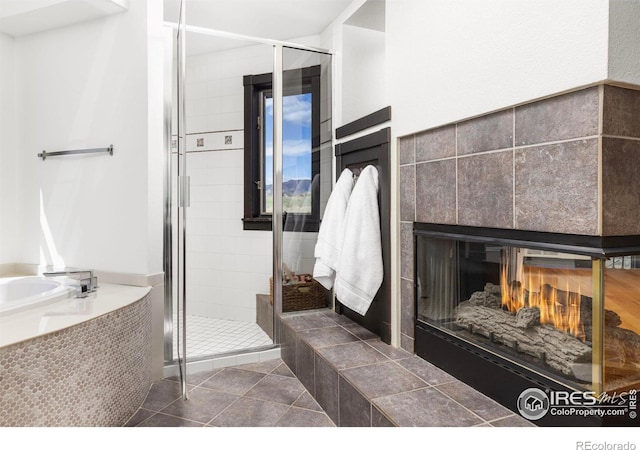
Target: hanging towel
x=360, y=269
x=329, y=244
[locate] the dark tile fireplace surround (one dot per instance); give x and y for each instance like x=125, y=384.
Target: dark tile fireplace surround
x=566, y=165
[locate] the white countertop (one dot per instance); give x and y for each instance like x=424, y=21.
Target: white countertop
x=46, y=319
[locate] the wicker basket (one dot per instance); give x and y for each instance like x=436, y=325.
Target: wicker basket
x=301, y=296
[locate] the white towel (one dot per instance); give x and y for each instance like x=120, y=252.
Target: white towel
x=360, y=271
x=329, y=244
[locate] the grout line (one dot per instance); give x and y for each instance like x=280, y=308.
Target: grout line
x=472, y=412
x=457, y=158
x=513, y=174
x=174, y=416
x=627, y=138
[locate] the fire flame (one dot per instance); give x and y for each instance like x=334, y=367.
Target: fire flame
x=558, y=307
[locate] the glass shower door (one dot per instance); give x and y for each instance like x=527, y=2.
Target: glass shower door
x=306, y=172
x=221, y=268
x=226, y=266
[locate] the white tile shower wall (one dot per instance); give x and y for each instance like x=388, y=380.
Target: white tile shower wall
x=226, y=266
x=214, y=89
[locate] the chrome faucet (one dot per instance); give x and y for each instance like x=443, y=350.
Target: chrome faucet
x=88, y=282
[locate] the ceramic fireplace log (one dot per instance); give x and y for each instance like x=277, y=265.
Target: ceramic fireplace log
x=559, y=350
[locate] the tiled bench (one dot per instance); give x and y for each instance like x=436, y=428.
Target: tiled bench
x=361, y=381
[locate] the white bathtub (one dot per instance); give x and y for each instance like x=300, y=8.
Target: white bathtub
x=20, y=293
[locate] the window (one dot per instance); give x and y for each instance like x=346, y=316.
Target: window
x=301, y=145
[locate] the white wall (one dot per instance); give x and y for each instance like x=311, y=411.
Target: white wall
x=83, y=86
x=8, y=166
x=448, y=60
x=363, y=72
x=624, y=41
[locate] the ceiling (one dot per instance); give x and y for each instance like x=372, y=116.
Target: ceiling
x=272, y=19
x=22, y=17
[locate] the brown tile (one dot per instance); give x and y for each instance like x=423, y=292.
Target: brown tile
x=407, y=147
x=567, y=116
x=306, y=401
x=389, y=351
x=339, y=319
x=436, y=192
x=276, y=388
x=485, y=190
x=233, y=381
x=382, y=379
x=305, y=365
x=425, y=408
x=264, y=314
x=360, y=332
x=425, y=370
x=512, y=421
x=161, y=394
x=138, y=417
x=406, y=250
x=327, y=388
x=353, y=354
x=283, y=370
x=327, y=336
x=202, y=406
x=308, y=321
x=620, y=186
x=473, y=400
x=407, y=343
x=407, y=307
x=163, y=420
x=288, y=346
x=556, y=187
x=195, y=379
x=378, y=419
x=435, y=144
x=249, y=412
x=621, y=109
x=296, y=417
x=355, y=409
x=262, y=367
x=408, y=193
x=489, y=132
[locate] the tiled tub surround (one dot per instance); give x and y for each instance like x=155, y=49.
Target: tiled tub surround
x=90, y=364
x=360, y=381
x=565, y=164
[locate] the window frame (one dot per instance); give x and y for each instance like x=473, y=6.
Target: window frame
x=297, y=81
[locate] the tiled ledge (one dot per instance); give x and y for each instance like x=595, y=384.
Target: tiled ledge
x=361, y=381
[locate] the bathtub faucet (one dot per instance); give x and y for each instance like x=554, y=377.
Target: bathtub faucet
x=88, y=282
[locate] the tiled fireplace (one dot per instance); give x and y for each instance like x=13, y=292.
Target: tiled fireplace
x=526, y=227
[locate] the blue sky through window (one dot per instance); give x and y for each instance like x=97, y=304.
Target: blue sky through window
x=296, y=137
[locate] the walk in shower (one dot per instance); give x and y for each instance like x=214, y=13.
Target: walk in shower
x=249, y=171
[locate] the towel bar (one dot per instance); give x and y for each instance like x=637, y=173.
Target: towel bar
x=44, y=155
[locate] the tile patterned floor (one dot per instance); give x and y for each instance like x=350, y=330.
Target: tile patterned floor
x=207, y=336
x=360, y=381
x=252, y=395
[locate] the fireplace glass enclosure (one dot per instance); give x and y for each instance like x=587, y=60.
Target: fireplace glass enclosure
x=571, y=316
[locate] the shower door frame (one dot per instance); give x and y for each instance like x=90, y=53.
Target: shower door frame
x=277, y=217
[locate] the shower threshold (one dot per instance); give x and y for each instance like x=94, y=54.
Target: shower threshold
x=208, y=336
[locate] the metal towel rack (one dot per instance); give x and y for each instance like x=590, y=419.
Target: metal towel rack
x=44, y=155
